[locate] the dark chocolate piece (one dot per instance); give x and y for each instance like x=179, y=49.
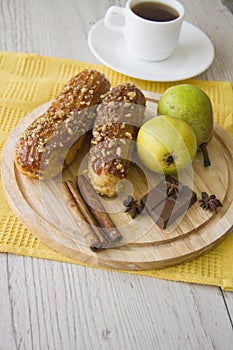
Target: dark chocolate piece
x=164, y=209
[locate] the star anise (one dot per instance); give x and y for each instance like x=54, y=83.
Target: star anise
x=133, y=206
x=172, y=189
x=209, y=202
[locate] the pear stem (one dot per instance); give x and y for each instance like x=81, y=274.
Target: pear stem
x=203, y=148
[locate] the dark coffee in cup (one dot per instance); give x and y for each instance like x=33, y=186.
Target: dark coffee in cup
x=151, y=28
x=155, y=11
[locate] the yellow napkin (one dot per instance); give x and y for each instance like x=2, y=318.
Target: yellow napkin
x=27, y=81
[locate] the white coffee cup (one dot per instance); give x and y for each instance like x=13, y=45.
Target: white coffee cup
x=147, y=39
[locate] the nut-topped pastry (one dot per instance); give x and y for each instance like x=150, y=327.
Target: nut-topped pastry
x=118, y=118
x=67, y=118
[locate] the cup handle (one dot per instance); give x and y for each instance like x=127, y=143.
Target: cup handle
x=112, y=11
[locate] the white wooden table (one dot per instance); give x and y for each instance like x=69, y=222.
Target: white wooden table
x=52, y=305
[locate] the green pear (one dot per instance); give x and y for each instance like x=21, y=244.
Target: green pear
x=193, y=105
x=166, y=144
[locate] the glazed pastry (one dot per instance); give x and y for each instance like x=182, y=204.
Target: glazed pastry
x=118, y=118
x=60, y=131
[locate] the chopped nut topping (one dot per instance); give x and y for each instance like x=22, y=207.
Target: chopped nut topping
x=119, y=166
x=118, y=151
x=40, y=149
x=70, y=131
x=112, y=143
x=95, y=133
x=128, y=135
x=131, y=95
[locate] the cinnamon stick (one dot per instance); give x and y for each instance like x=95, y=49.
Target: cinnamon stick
x=92, y=236
x=110, y=232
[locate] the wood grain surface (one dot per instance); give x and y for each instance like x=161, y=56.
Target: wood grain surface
x=41, y=207
x=50, y=305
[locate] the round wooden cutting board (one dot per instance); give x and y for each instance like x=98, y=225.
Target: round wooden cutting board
x=40, y=206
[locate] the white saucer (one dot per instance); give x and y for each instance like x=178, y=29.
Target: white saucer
x=194, y=54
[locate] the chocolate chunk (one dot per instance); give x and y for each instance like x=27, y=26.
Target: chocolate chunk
x=157, y=195
x=164, y=209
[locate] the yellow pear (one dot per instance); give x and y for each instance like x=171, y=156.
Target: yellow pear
x=166, y=144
